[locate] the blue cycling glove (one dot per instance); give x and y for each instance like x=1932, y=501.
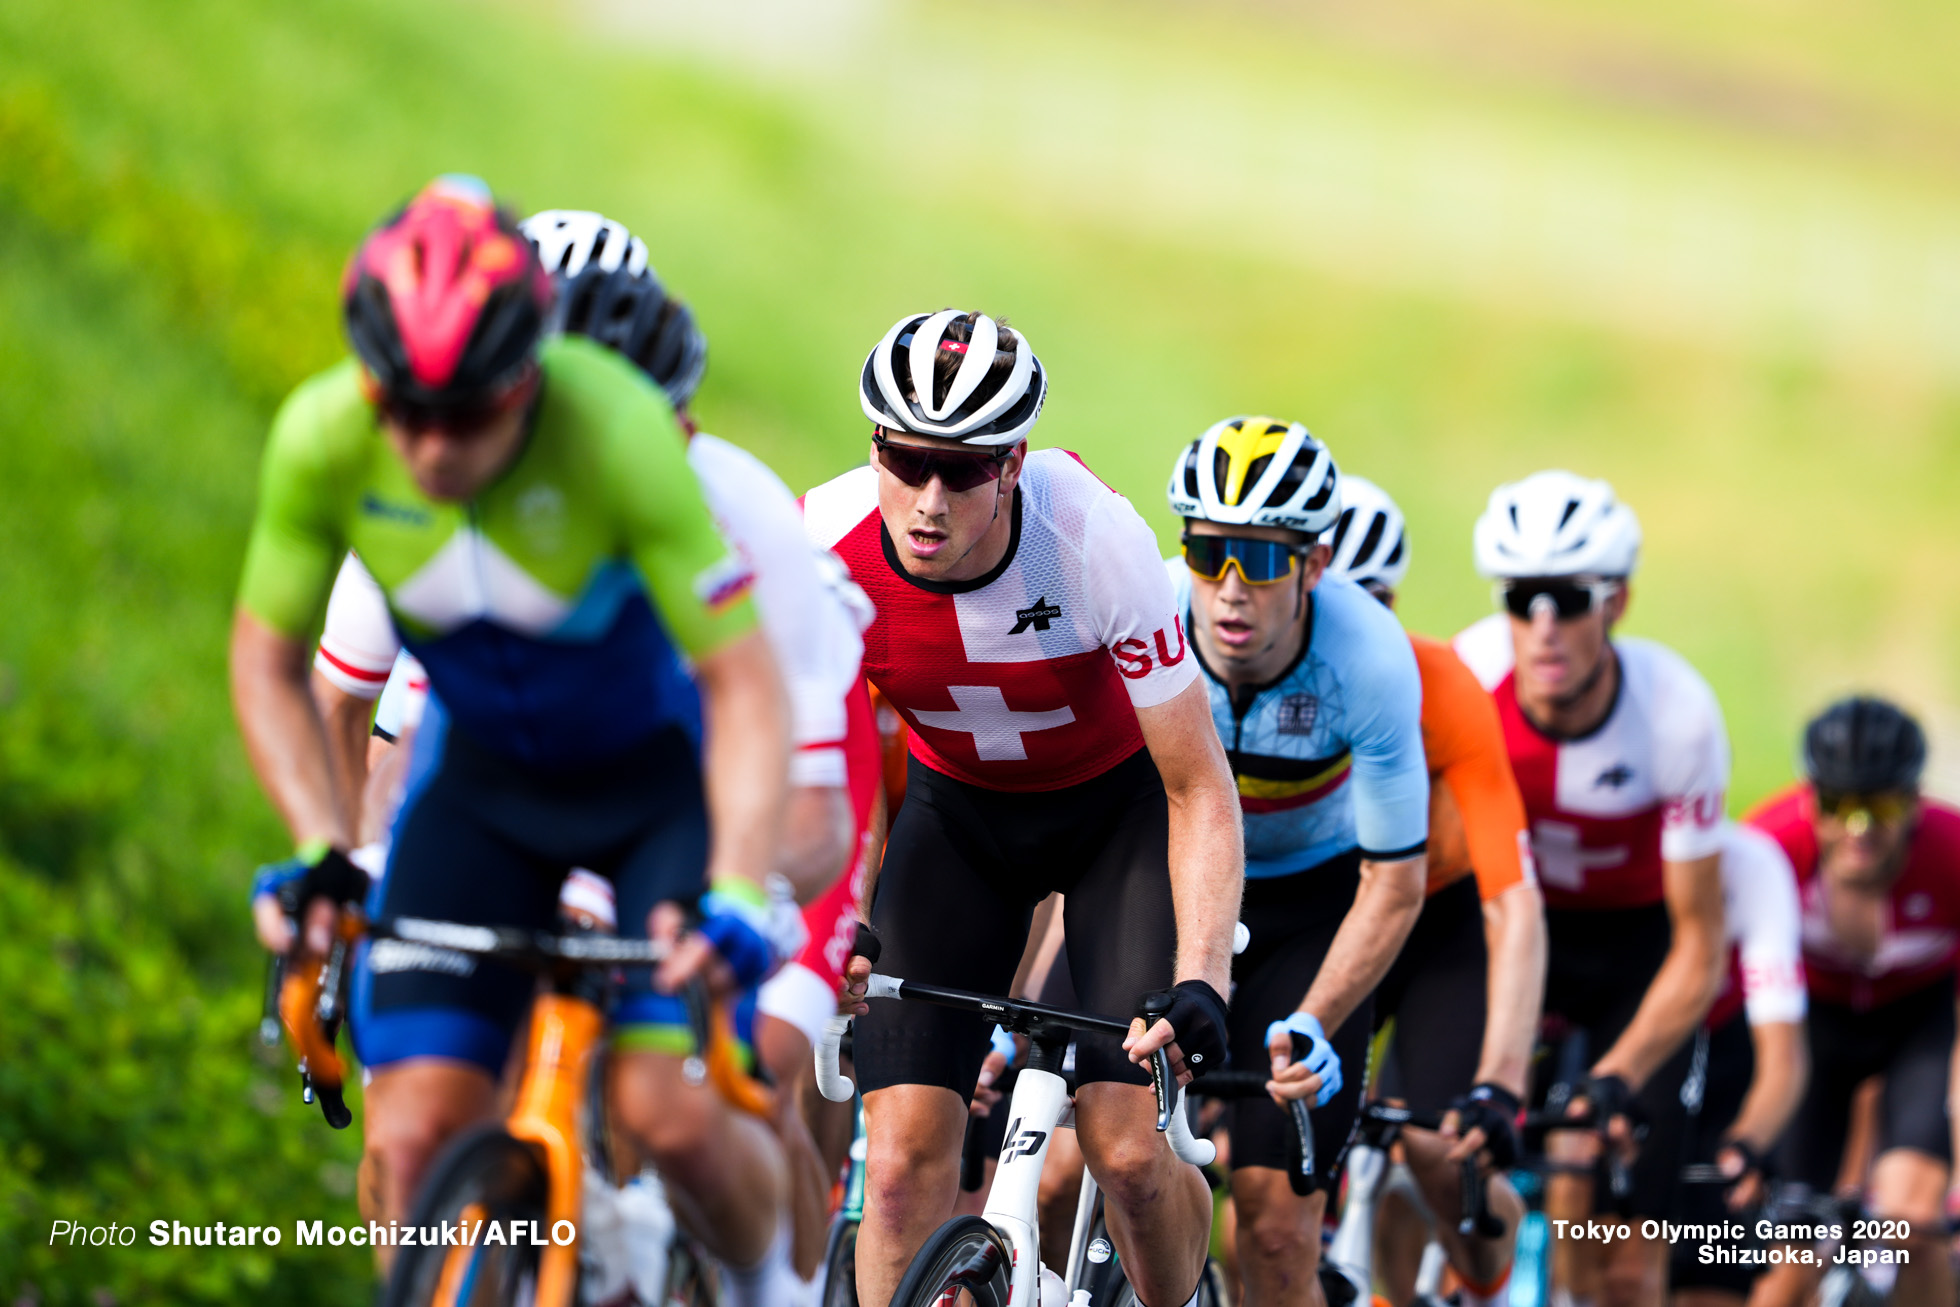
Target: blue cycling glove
x=1320, y=1057
x=735, y=919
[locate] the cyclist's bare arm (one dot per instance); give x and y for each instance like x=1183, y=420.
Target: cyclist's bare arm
x=1385, y=908
x=817, y=829
x=746, y=759
x=745, y=722
x=1514, y=932
x=1782, y=1072
x=1689, y=977
x=1207, y=845
x=287, y=744
x=347, y=719
x=1953, y=1104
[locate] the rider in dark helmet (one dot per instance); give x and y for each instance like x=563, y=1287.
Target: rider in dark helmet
x=1864, y=745
x=1878, y=865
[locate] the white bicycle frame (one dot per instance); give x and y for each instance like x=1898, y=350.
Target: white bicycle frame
x=1370, y=1177
x=1039, y=1107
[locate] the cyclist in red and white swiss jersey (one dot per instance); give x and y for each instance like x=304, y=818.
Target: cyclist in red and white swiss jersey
x=1878, y=869
x=1620, y=753
x=1060, y=740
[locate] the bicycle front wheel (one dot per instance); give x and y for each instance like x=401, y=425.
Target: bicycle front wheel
x=965, y=1264
x=840, y=1266
x=485, y=1176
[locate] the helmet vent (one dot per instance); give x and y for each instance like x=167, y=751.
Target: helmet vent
x=1372, y=541
x=1571, y=507
x=1341, y=528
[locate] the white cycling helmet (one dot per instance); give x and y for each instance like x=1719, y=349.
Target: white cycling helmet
x=992, y=398
x=1556, y=524
x=1257, y=471
x=1371, y=541
x=569, y=239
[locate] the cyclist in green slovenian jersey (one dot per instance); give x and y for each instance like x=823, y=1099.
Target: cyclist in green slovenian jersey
x=527, y=509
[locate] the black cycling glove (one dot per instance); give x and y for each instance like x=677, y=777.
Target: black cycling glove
x=332, y=877
x=1612, y=1096
x=866, y=944
x=1753, y=1162
x=1197, y=1015
x=1494, y=1110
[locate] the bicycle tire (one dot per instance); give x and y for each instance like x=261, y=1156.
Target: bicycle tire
x=967, y=1254
x=1109, y=1284
x=693, y=1280
x=840, y=1266
x=483, y=1175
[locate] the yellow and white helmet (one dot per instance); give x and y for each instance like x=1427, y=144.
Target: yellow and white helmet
x=1257, y=471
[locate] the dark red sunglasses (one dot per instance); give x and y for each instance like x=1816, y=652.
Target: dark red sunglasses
x=915, y=466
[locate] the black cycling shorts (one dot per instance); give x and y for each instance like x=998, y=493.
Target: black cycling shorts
x=1601, y=963
x=1909, y=1041
x=1292, y=920
x=486, y=840
x=1437, y=992
x=1718, y=1081
x=964, y=869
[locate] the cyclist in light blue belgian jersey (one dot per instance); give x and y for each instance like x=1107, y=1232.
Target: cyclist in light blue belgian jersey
x=1316, y=696
x=1329, y=755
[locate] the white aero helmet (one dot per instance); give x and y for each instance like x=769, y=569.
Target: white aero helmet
x=1556, y=524
x=569, y=239
x=1371, y=540
x=992, y=398
x=1257, y=471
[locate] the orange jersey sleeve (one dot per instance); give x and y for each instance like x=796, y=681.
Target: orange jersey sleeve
x=1476, y=815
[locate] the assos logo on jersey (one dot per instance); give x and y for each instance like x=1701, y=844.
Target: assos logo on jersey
x=1037, y=616
x=1133, y=656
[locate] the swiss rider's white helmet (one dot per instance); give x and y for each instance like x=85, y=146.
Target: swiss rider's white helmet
x=1556, y=524
x=1371, y=540
x=993, y=397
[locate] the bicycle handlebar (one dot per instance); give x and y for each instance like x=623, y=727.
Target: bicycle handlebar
x=1299, y=1124
x=1037, y=1020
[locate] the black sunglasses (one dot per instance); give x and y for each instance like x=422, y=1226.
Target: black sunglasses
x=1569, y=599
x=915, y=466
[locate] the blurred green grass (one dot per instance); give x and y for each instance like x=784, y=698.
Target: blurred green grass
x=1164, y=196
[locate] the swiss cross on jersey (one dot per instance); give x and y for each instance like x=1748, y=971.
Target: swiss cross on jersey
x=1027, y=678
x=1608, y=808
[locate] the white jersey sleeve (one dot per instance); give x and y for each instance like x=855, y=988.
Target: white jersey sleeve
x=1485, y=648
x=1759, y=890
x=806, y=618
x=358, y=645
x=403, y=698
x=1691, y=749
x=1136, y=613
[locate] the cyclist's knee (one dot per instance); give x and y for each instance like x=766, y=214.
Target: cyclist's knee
x=1275, y=1224
x=1281, y=1233
x=1909, y=1186
x=912, y=1141
x=674, y=1121
x=416, y=1108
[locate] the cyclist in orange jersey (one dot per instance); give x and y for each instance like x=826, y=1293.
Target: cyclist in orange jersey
x=1468, y=985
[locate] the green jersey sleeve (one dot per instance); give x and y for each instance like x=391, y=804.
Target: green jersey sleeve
x=297, y=540
x=700, y=584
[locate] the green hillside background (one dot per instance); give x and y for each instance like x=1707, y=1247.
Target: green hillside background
x=1708, y=250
